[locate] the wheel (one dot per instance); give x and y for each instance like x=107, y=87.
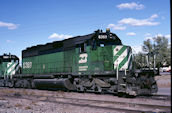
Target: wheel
x=98, y=89
x=154, y=88
x=2, y=83
x=26, y=84
x=18, y=84
x=11, y=84
x=80, y=88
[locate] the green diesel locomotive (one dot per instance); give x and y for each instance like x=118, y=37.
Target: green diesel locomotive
x=96, y=62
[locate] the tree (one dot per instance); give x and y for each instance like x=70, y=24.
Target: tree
x=160, y=48
x=139, y=60
x=147, y=46
x=163, y=51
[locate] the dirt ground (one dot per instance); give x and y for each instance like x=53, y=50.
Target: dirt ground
x=163, y=81
x=20, y=105
x=17, y=104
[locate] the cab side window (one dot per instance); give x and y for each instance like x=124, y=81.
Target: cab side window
x=83, y=47
x=94, y=44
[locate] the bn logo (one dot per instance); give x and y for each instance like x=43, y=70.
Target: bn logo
x=83, y=58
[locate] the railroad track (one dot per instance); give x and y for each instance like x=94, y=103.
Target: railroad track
x=108, y=105
x=150, y=97
x=156, y=97
x=98, y=104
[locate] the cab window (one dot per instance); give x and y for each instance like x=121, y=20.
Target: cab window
x=83, y=47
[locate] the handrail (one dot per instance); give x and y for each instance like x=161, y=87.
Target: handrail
x=117, y=72
x=5, y=73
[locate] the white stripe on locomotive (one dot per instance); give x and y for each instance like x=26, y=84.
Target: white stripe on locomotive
x=125, y=66
x=120, y=58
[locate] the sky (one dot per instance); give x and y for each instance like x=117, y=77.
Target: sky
x=26, y=23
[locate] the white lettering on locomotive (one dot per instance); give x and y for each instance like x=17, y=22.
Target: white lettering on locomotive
x=27, y=65
x=83, y=68
x=102, y=36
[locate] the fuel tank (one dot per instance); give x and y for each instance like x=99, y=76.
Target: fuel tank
x=62, y=83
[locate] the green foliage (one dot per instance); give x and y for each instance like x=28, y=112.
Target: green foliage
x=160, y=48
x=138, y=60
x=148, y=46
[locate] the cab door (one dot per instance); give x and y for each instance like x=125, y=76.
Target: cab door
x=83, y=59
